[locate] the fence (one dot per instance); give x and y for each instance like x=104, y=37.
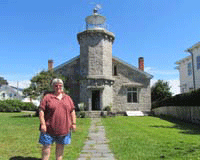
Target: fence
x=186, y=113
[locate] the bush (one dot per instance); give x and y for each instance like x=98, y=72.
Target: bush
x=81, y=107
x=9, y=109
x=185, y=99
x=80, y=114
x=107, y=108
x=16, y=106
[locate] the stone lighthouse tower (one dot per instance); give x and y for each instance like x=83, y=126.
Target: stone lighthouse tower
x=96, y=63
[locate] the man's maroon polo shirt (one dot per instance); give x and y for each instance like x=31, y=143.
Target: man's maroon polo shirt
x=57, y=113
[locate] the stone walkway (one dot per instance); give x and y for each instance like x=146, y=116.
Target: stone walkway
x=96, y=146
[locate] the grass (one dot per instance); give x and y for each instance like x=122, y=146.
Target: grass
x=19, y=138
x=151, y=138
x=138, y=138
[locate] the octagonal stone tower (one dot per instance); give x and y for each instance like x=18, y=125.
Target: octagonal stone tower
x=96, y=63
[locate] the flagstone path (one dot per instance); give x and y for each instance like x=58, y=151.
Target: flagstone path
x=96, y=146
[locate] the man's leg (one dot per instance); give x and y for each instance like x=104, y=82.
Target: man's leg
x=59, y=151
x=46, y=150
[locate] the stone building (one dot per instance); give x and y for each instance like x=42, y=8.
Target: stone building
x=98, y=79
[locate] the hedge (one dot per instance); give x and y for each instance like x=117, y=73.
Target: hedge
x=185, y=99
x=16, y=106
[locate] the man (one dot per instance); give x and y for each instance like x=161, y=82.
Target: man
x=57, y=117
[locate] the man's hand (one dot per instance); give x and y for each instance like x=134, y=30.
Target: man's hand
x=73, y=127
x=43, y=128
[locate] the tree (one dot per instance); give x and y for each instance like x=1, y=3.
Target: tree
x=3, y=81
x=42, y=83
x=160, y=90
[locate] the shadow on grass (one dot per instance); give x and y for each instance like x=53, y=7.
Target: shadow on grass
x=186, y=127
x=25, y=116
x=23, y=158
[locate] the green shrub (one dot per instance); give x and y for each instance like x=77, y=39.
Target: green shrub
x=185, y=99
x=80, y=114
x=107, y=108
x=16, y=106
x=17, y=109
x=9, y=109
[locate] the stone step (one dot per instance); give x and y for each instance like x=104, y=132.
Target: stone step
x=94, y=114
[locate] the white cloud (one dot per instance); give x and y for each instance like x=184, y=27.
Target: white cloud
x=155, y=71
x=174, y=84
x=20, y=84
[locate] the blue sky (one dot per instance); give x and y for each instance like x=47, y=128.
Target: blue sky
x=33, y=31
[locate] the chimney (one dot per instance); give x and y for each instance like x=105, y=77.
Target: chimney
x=50, y=64
x=141, y=63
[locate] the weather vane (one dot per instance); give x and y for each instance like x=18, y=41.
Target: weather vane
x=97, y=6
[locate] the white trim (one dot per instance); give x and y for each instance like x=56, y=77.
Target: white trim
x=137, y=92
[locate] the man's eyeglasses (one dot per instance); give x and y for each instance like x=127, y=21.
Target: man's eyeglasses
x=58, y=85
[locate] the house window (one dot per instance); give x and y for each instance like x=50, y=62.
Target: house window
x=115, y=70
x=4, y=95
x=190, y=89
x=182, y=90
x=198, y=62
x=10, y=95
x=189, y=69
x=132, y=95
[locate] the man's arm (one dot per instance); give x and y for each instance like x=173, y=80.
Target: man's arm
x=42, y=121
x=73, y=118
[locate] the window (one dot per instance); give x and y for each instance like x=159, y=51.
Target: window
x=190, y=89
x=198, y=62
x=182, y=90
x=4, y=95
x=189, y=69
x=115, y=70
x=132, y=95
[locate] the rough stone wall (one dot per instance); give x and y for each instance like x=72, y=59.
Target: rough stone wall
x=72, y=71
x=107, y=96
x=85, y=94
x=107, y=58
x=95, y=56
x=127, y=75
x=95, y=53
x=95, y=65
x=89, y=85
x=115, y=95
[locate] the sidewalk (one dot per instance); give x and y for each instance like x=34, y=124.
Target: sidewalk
x=96, y=146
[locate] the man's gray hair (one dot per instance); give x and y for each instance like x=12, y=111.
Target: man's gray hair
x=57, y=80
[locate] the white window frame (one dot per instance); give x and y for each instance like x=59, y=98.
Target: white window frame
x=132, y=91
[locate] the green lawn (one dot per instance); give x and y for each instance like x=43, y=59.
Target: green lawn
x=131, y=138
x=151, y=138
x=19, y=137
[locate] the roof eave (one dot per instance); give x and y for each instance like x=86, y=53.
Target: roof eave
x=65, y=63
x=133, y=67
